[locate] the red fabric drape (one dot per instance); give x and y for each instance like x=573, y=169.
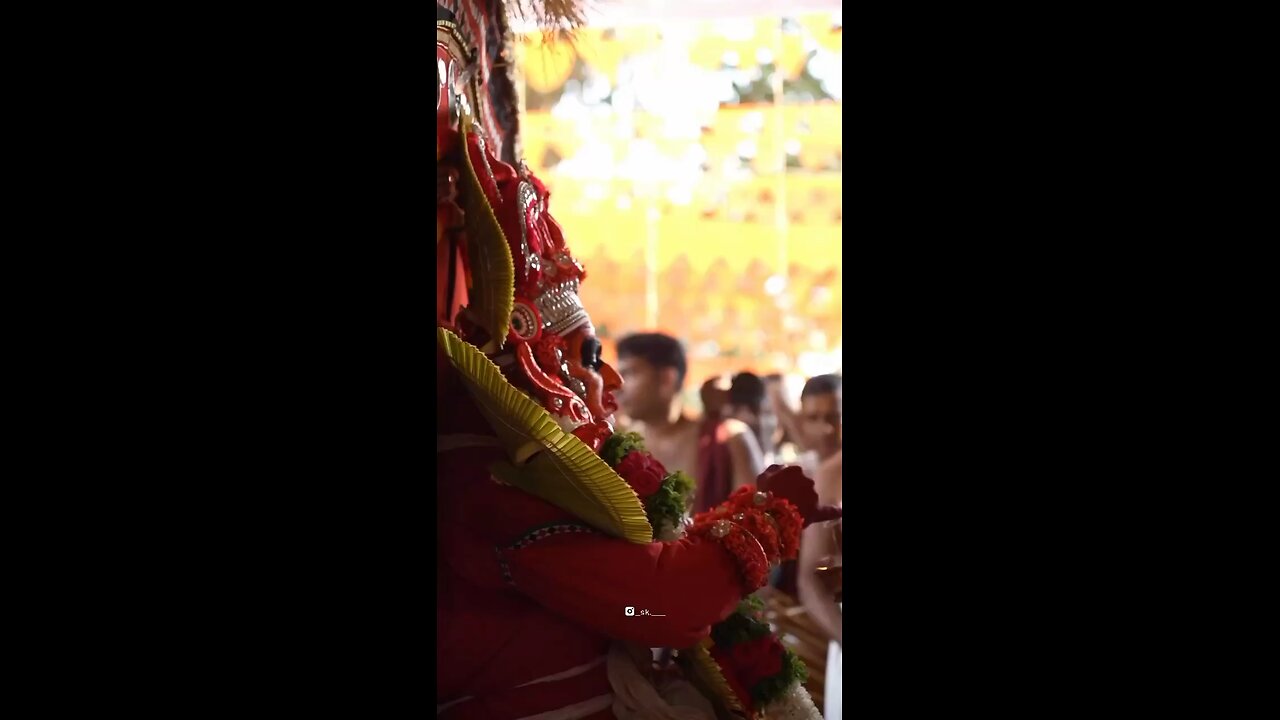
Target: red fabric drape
x=715, y=466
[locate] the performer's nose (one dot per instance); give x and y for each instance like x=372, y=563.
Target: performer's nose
x=612, y=380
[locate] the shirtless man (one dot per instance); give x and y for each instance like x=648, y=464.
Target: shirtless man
x=818, y=425
x=821, y=425
x=715, y=395
x=720, y=454
x=748, y=402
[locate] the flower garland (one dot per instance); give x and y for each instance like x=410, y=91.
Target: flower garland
x=750, y=555
x=618, y=445
x=785, y=520
x=743, y=663
x=745, y=667
x=764, y=529
x=795, y=704
x=665, y=495
x=762, y=672
x=667, y=507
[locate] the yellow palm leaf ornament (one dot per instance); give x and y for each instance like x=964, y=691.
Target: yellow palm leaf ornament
x=542, y=459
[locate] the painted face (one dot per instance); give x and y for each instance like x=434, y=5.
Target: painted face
x=599, y=380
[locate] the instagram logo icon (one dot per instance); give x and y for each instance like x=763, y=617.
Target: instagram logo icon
x=629, y=611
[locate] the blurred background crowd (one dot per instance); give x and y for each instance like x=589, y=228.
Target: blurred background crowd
x=695, y=164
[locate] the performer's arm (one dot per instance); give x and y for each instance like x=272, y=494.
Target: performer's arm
x=817, y=545
x=787, y=417
x=685, y=586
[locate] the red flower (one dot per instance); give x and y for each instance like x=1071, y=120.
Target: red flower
x=642, y=472
x=755, y=660
x=721, y=658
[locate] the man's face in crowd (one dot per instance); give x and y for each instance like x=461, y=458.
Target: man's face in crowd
x=646, y=390
x=820, y=421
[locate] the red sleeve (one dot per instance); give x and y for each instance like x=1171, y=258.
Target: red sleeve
x=685, y=586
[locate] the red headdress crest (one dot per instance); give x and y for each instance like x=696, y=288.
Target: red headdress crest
x=538, y=344
x=545, y=304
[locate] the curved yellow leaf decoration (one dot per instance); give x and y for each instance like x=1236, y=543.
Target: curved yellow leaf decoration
x=562, y=470
x=493, y=276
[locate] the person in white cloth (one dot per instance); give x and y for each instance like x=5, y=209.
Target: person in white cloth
x=819, y=549
x=820, y=423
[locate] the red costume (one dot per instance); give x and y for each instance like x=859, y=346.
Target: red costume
x=548, y=563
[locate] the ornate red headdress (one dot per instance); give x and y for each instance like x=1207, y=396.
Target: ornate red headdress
x=531, y=322
x=546, y=309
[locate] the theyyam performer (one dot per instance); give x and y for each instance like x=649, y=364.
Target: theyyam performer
x=565, y=550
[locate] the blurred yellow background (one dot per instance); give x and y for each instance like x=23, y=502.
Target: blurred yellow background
x=695, y=166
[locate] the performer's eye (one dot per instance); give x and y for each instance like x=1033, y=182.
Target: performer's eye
x=591, y=354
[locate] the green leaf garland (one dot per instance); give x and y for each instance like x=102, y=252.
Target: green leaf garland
x=667, y=506
x=745, y=625
x=737, y=628
x=618, y=445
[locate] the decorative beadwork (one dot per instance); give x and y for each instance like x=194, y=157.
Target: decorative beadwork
x=460, y=49
x=533, y=536
x=567, y=260
x=524, y=322
x=528, y=200
x=546, y=531
x=560, y=307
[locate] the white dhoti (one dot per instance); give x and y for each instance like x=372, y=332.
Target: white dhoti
x=831, y=690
